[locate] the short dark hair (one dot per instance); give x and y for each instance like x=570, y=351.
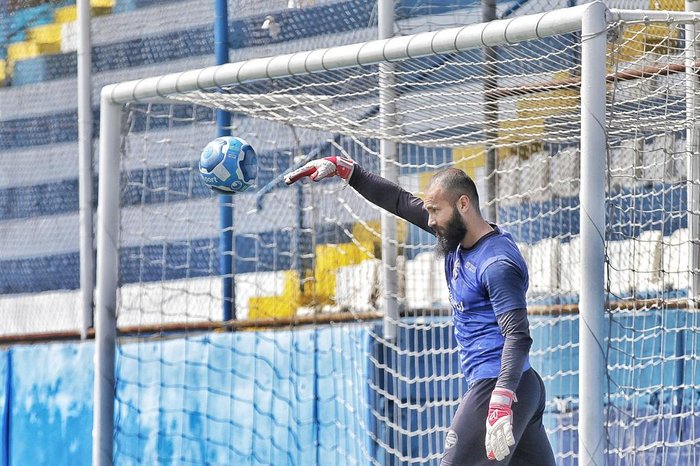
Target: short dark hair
x=456, y=183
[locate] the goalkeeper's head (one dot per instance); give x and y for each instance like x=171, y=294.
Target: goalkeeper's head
x=452, y=202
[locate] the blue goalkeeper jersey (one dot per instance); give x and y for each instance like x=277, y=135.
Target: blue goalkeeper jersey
x=484, y=281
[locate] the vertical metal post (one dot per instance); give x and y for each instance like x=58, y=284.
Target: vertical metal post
x=488, y=13
x=693, y=151
x=692, y=145
x=223, y=128
x=107, y=276
x=592, y=333
x=87, y=261
x=390, y=171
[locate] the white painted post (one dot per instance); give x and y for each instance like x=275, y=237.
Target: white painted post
x=107, y=276
x=87, y=261
x=693, y=151
x=592, y=334
x=389, y=170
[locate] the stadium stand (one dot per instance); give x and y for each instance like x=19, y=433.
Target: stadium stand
x=37, y=114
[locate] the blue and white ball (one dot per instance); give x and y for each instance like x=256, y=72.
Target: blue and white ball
x=228, y=165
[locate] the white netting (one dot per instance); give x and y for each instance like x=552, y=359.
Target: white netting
x=312, y=252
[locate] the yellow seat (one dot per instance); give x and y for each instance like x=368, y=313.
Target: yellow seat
x=101, y=7
x=278, y=307
x=3, y=72
x=270, y=307
x=47, y=37
x=637, y=39
x=675, y=5
x=21, y=51
x=368, y=236
x=102, y=3
x=65, y=14
x=328, y=258
x=470, y=159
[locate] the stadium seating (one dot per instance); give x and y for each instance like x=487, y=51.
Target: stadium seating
x=543, y=257
x=420, y=293
x=284, y=305
x=570, y=269
x=65, y=14
x=358, y=287
x=47, y=27
x=47, y=37
x=676, y=260
x=251, y=285
x=329, y=257
x=620, y=270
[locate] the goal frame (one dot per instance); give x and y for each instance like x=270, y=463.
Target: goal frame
x=591, y=20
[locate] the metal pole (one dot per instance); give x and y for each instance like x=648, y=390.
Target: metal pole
x=693, y=150
x=223, y=128
x=389, y=170
x=488, y=13
x=592, y=334
x=692, y=142
x=87, y=261
x=107, y=275
x=417, y=45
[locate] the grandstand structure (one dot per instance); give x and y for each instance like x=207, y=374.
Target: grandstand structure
x=38, y=110
x=305, y=373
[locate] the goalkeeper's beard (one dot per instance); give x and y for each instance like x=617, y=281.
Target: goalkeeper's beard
x=449, y=237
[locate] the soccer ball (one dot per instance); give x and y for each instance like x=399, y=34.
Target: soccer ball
x=228, y=165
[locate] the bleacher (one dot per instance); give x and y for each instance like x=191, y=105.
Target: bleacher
x=37, y=112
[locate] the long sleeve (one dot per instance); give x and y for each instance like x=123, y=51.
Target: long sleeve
x=504, y=283
x=390, y=197
x=515, y=328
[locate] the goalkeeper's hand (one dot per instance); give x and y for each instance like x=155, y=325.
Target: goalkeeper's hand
x=499, y=424
x=323, y=168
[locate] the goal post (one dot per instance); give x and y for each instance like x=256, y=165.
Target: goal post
x=592, y=333
x=592, y=150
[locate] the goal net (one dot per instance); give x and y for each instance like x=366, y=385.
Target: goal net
x=340, y=349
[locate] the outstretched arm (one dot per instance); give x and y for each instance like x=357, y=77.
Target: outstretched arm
x=379, y=191
x=391, y=197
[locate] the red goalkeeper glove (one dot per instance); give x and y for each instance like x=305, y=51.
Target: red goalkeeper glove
x=323, y=168
x=499, y=424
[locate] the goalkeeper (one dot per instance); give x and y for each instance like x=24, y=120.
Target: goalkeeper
x=500, y=415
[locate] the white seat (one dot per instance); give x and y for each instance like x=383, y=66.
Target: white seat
x=570, y=268
x=665, y=158
x=441, y=296
x=678, y=156
x=253, y=284
x=565, y=169
x=624, y=162
x=534, y=176
x=635, y=265
x=508, y=178
x=170, y=301
x=357, y=286
x=419, y=281
x=543, y=267
x=618, y=270
x=653, y=160
x=647, y=261
x=676, y=260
